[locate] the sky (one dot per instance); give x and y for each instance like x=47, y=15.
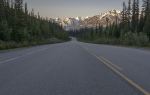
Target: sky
x=72, y=8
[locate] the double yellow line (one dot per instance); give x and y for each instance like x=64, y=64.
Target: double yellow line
x=106, y=61
x=116, y=69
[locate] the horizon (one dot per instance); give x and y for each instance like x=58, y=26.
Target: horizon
x=71, y=8
x=86, y=16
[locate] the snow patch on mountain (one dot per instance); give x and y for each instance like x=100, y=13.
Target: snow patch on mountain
x=70, y=23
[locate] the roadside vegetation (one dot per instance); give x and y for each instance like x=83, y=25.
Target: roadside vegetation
x=20, y=27
x=133, y=30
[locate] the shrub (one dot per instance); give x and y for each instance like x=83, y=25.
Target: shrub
x=133, y=39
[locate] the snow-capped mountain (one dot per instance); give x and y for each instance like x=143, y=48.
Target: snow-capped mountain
x=103, y=19
x=70, y=23
x=108, y=17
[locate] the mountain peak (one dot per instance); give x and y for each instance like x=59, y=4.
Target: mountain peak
x=80, y=22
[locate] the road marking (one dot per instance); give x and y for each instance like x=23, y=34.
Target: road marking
x=8, y=60
x=114, y=65
x=132, y=83
x=29, y=53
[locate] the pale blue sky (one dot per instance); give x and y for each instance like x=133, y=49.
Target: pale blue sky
x=73, y=8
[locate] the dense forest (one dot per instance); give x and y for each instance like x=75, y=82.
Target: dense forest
x=20, y=27
x=134, y=28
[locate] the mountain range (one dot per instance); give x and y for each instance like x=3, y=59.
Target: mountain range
x=108, y=17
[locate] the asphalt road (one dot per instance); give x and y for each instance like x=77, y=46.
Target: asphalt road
x=75, y=68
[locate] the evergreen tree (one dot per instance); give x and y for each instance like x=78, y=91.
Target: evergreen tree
x=141, y=22
x=125, y=19
x=18, y=25
x=129, y=15
x=26, y=9
x=5, y=32
x=2, y=10
x=128, y=32
x=135, y=15
x=18, y=5
x=124, y=15
x=146, y=8
x=12, y=4
x=147, y=26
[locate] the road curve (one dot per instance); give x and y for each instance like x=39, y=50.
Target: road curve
x=74, y=68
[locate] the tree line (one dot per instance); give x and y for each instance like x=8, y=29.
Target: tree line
x=21, y=27
x=132, y=30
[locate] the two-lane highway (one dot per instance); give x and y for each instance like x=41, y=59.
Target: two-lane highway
x=74, y=68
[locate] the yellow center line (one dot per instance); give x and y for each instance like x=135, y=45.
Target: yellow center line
x=109, y=65
x=114, y=65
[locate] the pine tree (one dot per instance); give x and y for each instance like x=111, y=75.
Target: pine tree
x=147, y=26
x=100, y=30
x=26, y=9
x=124, y=14
x=7, y=3
x=125, y=19
x=135, y=15
x=129, y=15
x=18, y=5
x=107, y=22
x=2, y=10
x=17, y=25
x=141, y=22
x=20, y=16
x=146, y=8
x=7, y=9
x=5, y=32
x=12, y=4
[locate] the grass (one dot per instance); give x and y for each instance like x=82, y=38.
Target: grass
x=117, y=42
x=12, y=44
